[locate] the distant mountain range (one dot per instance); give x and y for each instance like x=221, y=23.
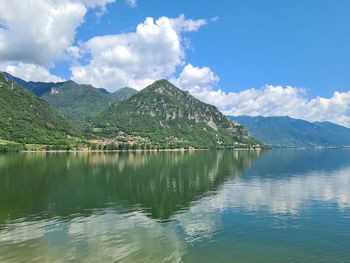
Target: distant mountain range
x=289, y=132
x=161, y=115
x=166, y=115
x=74, y=101
x=26, y=118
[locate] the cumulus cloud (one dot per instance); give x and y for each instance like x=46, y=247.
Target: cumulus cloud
x=31, y=72
x=280, y=101
x=196, y=78
x=266, y=101
x=41, y=32
x=155, y=50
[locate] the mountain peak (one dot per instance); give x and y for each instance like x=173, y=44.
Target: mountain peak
x=161, y=85
x=166, y=88
x=162, y=82
x=69, y=82
x=165, y=115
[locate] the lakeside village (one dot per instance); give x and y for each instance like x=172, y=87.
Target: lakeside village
x=121, y=142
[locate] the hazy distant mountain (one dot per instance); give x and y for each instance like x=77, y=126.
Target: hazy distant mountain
x=167, y=115
x=123, y=94
x=26, y=118
x=289, y=132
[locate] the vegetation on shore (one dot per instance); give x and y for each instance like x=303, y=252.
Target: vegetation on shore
x=11, y=147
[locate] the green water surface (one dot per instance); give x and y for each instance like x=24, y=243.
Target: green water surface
x=207, y=206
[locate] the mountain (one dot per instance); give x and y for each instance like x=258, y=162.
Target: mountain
x=28, y=119
x=123, y=94
x=77, y=102
x=38, y=88
x=74, y=101
x=80, y=102
x=289, y=132
x=164, y=115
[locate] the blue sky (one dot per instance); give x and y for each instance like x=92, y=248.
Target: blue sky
x=253, y=42
x=247, y=57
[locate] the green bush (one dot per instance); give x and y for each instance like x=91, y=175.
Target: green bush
x=11, y=147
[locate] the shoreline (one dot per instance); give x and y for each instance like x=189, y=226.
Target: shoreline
x=183, y=150
x=141, y=151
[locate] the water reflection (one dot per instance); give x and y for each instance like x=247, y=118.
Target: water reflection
x=160, y=184
x=284, y=194
x=176, y=207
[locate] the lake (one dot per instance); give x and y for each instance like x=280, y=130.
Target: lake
x=204, y=206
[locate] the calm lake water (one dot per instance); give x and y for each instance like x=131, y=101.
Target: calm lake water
x=210, y=206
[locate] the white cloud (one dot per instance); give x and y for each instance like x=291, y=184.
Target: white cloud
x=196, y=78
x=266, y=101
x=131, y=3
x=181, y=24
x=280, y=101
x=31, y=72
x=41, y=31
x=94, y=3
x=138, y=58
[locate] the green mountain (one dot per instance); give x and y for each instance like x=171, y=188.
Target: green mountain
x=122, y=94
x=80, y=102
x=288, y=132
x=28, y=119
x=164, y=115
x=77, y=102
x=74, y=101
x=38, y=88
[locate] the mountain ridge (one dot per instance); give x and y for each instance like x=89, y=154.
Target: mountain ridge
x=76, y=102
x=284, y=131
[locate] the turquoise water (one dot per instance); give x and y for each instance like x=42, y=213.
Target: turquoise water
x=208, y=206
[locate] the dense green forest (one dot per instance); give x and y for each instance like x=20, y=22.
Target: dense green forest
x=25, y=118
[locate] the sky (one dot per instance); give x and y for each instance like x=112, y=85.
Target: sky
x=247, y=57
